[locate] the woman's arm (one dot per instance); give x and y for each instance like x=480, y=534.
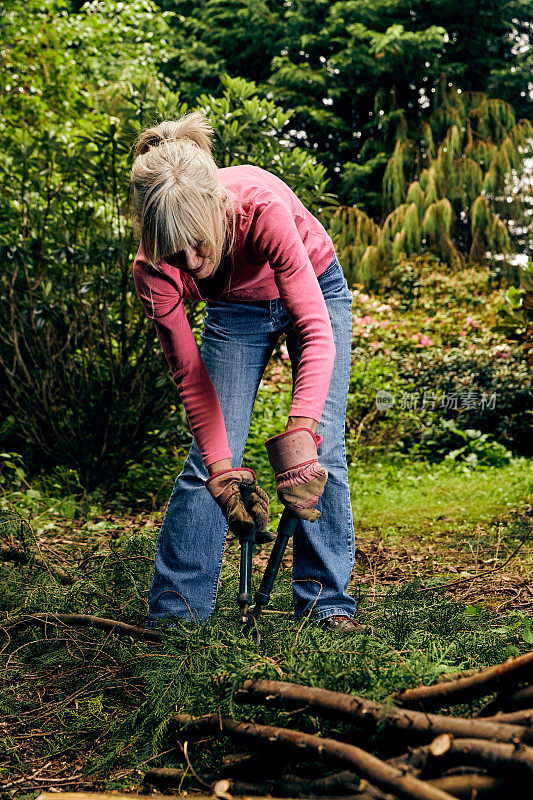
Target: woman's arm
x=276, y=237
x=163, y=303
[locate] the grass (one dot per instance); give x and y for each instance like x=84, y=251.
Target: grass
x=97, y=706
x=407, y=497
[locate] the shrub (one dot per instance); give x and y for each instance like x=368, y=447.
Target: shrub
x=478, y=389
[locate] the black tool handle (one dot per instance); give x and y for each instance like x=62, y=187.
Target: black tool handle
x=244, y=598
x=286, y=529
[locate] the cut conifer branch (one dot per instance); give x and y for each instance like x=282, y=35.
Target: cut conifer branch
x=484, y=682
x=10, y=626
x=508, y=701
x=22, y=557
x=377, y=772
x=374, y=716
x=512, y=761
x=466, y=787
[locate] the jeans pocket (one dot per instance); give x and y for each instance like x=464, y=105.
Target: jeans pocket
x=332, y=281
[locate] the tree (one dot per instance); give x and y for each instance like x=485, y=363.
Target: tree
x=444, y=188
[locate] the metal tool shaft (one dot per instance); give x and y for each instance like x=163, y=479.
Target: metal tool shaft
x=286, y=529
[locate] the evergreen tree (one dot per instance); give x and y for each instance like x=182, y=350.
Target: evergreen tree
x=445, y=189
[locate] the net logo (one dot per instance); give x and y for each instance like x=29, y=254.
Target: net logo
x=384, y=400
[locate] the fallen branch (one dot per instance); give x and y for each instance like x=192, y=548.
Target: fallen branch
x=524, y=717
x=458, y=691
x=373, y=769
x=164, y=777
x=340, y=782
x=374, y=716
x=80, y=620
x=466, y=787
x=507, y=760
x=508, y=701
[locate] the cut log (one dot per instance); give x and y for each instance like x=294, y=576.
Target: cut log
x=524, y=717
x=377, y=772
x=375, y=716
x=112, y=796
x=163, y=777
x=459, y=691
x=342, y=783
x=480, y=787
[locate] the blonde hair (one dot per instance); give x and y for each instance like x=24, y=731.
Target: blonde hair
x=178, y=200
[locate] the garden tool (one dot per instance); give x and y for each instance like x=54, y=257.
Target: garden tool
x=286, y=529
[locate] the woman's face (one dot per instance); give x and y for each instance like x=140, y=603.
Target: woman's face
x=193, y=261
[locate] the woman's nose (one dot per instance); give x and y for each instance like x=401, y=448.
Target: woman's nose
x=192, y=259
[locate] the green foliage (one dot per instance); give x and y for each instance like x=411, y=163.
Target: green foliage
x=475, y=447
x=515, y=315
x=84, y=383
x=452, y=202
x=479, y=390
x=357, y=75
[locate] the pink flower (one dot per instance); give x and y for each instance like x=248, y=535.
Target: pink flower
x=376, y=345
x=462, y=333
x=472, y=322
x=387, y=351
x=394, y=325
x=367, y=319
x=423, y=340
x=358, y=320
x=385, y=323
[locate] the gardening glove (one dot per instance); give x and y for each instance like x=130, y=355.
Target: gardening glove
x=301, y=479
x=225, y=488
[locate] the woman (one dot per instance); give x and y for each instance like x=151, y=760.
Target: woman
x=240, y=239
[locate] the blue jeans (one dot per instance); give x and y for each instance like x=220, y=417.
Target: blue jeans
x=237, y=343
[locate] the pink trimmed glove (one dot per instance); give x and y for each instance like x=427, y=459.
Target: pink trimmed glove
x=224, y=488
x=301, y=479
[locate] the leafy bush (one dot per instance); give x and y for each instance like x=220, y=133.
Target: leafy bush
x=367, y=428
x=478, y=389
x=446, y=440
x=83, y=380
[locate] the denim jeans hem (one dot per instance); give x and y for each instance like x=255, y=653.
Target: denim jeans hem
x=324, y=613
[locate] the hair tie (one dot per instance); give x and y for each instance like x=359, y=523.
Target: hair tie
x=171, y=139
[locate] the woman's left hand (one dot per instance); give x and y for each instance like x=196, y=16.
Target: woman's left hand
x=300, y=478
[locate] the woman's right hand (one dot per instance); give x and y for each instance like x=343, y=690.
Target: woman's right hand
x=224, y=487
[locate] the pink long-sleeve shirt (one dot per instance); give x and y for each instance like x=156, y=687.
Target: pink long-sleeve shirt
x=280, y=249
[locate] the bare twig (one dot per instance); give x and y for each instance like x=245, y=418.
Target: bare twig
x=80, y=620
x=480, y=574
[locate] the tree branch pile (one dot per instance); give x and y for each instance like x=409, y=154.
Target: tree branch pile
x=417, y=754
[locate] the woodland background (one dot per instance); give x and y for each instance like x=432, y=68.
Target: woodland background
x=406, y=127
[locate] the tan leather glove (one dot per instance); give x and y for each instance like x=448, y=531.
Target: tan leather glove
x=224, y=488
x=301, y=479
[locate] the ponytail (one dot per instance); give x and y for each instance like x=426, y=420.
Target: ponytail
x=178, y=200
x=193, y=127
